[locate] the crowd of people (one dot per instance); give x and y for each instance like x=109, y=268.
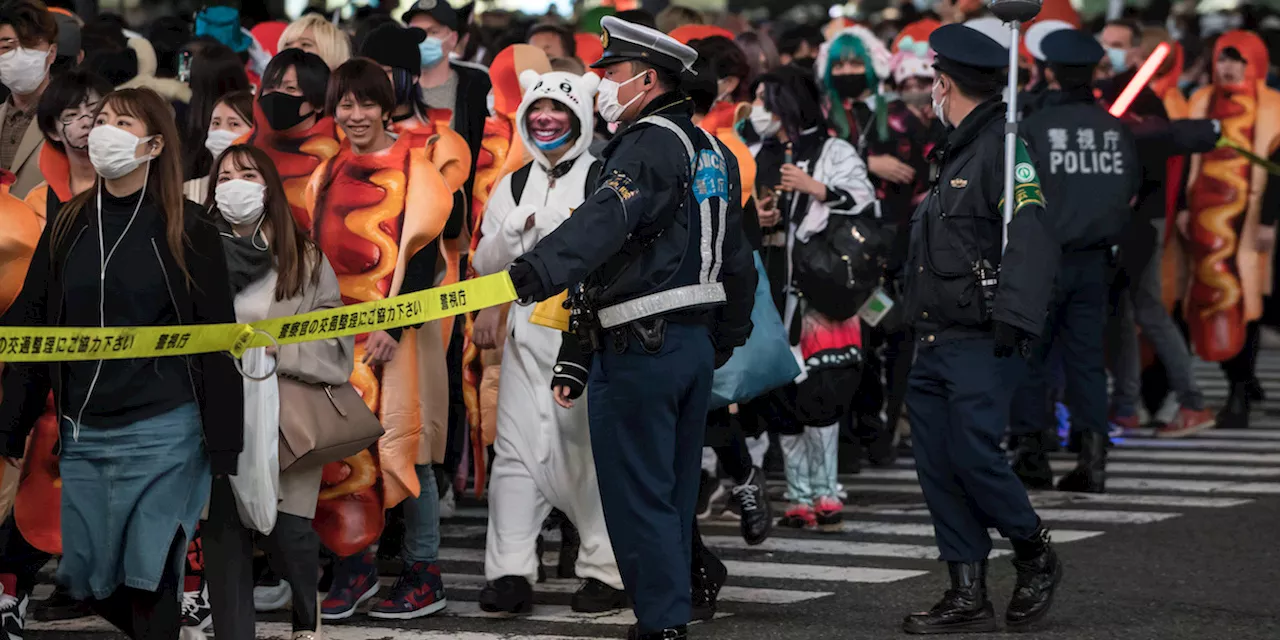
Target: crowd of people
x=734, y=246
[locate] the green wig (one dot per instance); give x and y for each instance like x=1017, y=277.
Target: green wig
x=845, y=47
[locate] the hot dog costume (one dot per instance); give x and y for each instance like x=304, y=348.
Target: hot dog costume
x=1229, y=276
x=295, y=157
x=542, y=451
x=370, y=214
x=20, y=228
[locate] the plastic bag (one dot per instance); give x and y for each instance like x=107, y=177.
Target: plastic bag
x=765, y=362
x=257, y=481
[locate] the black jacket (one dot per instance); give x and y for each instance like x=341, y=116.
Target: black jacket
x=215, y=383
x=1088, y=167
x=644, y=207
x=960, y=223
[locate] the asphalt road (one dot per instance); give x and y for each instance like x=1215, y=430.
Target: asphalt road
x=1182, y=547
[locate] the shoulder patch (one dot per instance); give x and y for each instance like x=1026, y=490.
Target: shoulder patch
x=711, y=179
x=1026, y=187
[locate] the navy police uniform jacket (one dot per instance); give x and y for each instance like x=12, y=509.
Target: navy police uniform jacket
x=655, y=240
x=1088, y=166
x=960, y=223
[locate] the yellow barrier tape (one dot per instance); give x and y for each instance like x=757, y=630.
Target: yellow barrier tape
x=62, y=344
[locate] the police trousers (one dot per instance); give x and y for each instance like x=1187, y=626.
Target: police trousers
x=648, y=414
x=958, y=401
x=1077, y=325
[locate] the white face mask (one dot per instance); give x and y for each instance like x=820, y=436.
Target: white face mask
x=113, y=151
x=24, y=70
x=607, y=99
x=763, y=122
x=939, y=105
x=240, y=201
x=219, y=140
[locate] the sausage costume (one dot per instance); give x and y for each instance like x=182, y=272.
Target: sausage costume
x=369, y=214
x=501, y=152
x=19, y=231
x=1229, y=276
x=296, y=158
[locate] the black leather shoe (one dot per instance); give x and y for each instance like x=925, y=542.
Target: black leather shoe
x=672, y=633
x=709, y=575
x=597, y=597
x=569, y=544
x=1030, y=463
x=754, y=507
x=508, y=594
x=1090, y=474
x=1039, y=573
x=964, y=608
x=1235, y=414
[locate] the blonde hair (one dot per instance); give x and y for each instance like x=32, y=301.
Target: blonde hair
x=676, y=16
x=333, y=45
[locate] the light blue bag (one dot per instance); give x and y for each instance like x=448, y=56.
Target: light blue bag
x=765, y=362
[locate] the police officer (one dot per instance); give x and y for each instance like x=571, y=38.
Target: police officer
x=1091, y=174
x=973, y=307
x=663, y=283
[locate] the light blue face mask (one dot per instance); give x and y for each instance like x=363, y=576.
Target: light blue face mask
x=1117, y=58
x=552, y=145
x=431, y=51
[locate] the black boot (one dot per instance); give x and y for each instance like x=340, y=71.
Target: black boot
x=964, y=608
x=1090, y=474
x=672, y=633
x=1030, y=463
x=1235, y=414
x=754, y=507
x=569, y=543
x=542, y=571
x=709, y=575
x=508, y=594
x=1039, y=572
x=597, y=597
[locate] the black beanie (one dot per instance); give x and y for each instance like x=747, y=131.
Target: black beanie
x=395, y=46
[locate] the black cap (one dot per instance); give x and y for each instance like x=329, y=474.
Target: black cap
x=1071, y=48
x=438, y=10
x=394, y=46
x=968, y=47
x=626, y=42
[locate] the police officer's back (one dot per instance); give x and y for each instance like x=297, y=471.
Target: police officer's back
x=1091, y=174
x=973, y=306
x=667, y=284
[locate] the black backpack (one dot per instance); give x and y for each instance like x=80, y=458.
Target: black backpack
x=521, y=177
x=839, y=268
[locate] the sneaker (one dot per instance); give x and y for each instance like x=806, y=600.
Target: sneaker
x=512, y=595
x=13, y=608
x=196, y=613
x=269, y=597
x=418, y=592
x=1188, y=422
x=60, y=606
x=829, y=513
x=597, y=597
x=448, y=505
x=307, y=635
x=754, y=509
x=799, y=516
x=1127, y=423
x=711, y=494
x=355, y=581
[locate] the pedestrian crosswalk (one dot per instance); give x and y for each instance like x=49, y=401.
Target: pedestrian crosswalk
x=886, y=538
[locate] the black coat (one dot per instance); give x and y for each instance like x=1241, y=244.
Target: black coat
x=217, y=386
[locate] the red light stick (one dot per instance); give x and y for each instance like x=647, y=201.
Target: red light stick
x=1140, y=80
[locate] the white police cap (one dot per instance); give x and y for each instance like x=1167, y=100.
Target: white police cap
x=628, y=42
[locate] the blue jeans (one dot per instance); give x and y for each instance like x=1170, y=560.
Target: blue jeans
x=422, y=519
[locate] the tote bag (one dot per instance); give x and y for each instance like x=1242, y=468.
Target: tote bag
x=765, y=362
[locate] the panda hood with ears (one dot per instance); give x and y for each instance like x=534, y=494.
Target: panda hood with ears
x=575, y=92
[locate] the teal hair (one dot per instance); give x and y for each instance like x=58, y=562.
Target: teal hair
x=847, y=46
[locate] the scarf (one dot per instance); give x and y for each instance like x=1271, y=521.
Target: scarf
x=246, y=263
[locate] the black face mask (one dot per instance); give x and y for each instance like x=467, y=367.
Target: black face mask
x=850, y=86
x=282, y=110
x=803, y=63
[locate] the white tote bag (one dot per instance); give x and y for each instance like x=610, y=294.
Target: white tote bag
x=257, y=480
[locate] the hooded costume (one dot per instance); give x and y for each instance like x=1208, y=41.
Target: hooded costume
x=18, y=236
x=296, y=158
x=1229, y=276
x=543, y=452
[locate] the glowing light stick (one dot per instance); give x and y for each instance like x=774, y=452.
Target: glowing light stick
x=1140, y=79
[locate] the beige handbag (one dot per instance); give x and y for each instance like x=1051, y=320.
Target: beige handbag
x=320, y=423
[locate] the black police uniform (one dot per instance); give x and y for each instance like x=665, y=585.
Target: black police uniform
x=967, y=324
x=1090, y=173
x=667, y=286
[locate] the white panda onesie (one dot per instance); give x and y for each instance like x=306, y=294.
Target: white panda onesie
x=542, y=452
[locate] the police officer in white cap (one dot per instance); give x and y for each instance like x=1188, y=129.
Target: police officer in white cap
x=662, y=286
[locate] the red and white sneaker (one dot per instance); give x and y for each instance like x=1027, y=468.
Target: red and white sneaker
x=1188, y=422
x=799, y=516
x=829, y=512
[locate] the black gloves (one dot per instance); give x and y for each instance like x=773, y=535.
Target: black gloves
x=573, y=364
x=1010, y=340
x=527, y=284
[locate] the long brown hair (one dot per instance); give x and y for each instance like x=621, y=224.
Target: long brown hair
x=297, y=258
x=164, y=182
